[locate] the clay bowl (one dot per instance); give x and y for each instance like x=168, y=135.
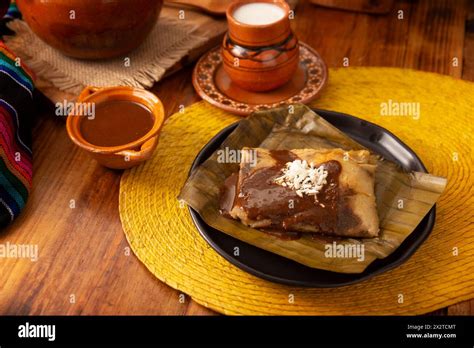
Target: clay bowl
x=91, y=29
x=129, y=154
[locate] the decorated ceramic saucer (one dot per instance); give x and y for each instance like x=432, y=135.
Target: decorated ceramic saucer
x=214, y=85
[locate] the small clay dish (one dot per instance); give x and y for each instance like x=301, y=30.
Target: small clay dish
x=214, y=85
x=133, y=151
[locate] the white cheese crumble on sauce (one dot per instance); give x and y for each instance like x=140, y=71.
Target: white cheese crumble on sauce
x=302, y=177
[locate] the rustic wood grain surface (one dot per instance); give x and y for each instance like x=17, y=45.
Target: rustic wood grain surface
x=84, y=262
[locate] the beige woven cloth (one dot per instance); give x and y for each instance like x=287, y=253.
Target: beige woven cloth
x=170, y=40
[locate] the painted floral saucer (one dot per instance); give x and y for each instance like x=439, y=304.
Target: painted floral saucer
x=214, y=85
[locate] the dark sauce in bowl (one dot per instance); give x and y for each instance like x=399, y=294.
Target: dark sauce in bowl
x=117, y=122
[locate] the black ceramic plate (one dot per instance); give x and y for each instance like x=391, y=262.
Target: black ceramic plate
x=276, y=268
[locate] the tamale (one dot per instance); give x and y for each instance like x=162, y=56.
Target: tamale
x=324, y=191
x=302, y=128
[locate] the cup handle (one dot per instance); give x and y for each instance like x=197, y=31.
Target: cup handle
x=87, y=92
x=145, y=152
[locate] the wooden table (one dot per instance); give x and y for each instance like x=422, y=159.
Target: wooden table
x=84, y=263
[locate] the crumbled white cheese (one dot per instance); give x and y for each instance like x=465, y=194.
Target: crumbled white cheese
x=302, y=177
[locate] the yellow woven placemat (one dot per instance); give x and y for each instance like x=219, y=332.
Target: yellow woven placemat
x=440, y=273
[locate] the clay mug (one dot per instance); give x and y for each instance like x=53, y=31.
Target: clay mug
x=260, y=57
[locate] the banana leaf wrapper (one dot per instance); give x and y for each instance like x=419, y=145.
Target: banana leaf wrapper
x=403, y=198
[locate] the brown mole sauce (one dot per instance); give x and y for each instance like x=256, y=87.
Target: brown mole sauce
x=261, y=198
x=117, y=122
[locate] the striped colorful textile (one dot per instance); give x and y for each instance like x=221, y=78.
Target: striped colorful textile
x=13, y=11
x=16, y=102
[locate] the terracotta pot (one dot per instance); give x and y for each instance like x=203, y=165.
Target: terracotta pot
x=260, y=57
x=129, y=154
x=91, y=29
